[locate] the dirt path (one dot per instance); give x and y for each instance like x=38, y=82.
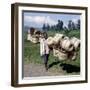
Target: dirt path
x=32, y=70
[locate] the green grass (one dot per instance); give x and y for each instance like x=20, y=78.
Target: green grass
x=32, y=51
x=71, y=33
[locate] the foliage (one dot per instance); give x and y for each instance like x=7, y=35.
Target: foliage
x=60, y=26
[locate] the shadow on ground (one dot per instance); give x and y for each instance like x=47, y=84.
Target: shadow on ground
x=53, y=64
x=70, y=68
x=66, y=67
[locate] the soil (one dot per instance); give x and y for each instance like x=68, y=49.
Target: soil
x=36, y=70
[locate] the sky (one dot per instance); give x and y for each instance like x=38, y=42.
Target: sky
x=35, y=19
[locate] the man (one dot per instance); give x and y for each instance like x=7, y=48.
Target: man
x=44, y=49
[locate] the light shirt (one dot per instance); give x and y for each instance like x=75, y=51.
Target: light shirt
x=44, y=49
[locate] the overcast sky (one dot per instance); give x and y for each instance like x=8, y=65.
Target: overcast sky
x=32, y=19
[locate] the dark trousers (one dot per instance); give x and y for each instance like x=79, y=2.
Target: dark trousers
x=46, y=57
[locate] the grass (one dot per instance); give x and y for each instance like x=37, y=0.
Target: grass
x=32, y=51
x=71, y=33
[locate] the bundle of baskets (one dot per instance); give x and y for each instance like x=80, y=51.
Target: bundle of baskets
x=33, y=35
x=63, y=46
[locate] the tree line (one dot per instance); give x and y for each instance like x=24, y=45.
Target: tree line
x=60, y=26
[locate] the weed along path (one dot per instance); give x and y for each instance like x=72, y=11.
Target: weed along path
x=36, y=70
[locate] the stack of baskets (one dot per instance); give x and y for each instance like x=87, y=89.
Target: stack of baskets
x=33, y=36
x=64, y=47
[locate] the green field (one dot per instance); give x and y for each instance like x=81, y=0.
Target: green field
x=32, y=51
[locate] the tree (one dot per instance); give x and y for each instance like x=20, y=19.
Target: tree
x=73, y=26
x=44, y=27
x=59, y=25
x=70, y=25
x=48, y=27
x=78, y=24
x=65, y=28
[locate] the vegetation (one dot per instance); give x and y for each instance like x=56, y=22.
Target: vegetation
x=32, y=51
x=60, y=26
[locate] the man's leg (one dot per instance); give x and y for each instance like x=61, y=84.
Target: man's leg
x=46, y=61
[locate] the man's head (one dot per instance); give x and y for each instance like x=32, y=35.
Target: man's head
x=44, y=35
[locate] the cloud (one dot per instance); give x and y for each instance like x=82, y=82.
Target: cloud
x=40, y=19
x=75, y=20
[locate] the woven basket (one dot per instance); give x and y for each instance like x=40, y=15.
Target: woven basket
x=62, y=56
x=29, y=37
x=66, y=45
x=35, y=40
x=50, y=41
x=57, y=38
x=72, y=55
x=55, y=52
x=75, y=42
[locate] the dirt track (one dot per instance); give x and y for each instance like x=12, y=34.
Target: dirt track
x=36, y=70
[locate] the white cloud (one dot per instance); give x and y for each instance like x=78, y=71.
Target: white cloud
x=40, y=19
x=75, y=20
